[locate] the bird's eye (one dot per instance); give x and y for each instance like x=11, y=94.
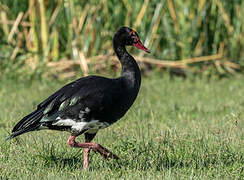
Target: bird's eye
x=132, y=33
x=135, y=38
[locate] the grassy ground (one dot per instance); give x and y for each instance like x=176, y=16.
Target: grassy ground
x=177, y=129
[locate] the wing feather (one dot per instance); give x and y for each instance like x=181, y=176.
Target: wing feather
x=68, y=101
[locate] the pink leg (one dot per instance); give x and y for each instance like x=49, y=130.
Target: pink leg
x=94, y=146
x=86, y=158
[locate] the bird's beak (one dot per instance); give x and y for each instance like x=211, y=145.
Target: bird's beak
x=139, y=45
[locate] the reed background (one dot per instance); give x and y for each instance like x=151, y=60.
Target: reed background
x=62, y=34
x=178, y=128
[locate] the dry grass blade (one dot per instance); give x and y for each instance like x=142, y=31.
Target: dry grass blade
x=33, y=37
x=200, y=59
x=44, y=28
x=173, y=16
x=201, y=5
x=154, y=31
x=229, y=69
x=16, y=50
x=15, y=27
x=219, y=67
x=22, y=23
x=225, y=17
x=141, y=13
x=199, y=9
x=160, y=63
x=82, y=18
x=198, y=48
x=232, y=65
x=5, y=23
x=83, y=63
x=63, y=65
x=55, y=13
x=55, y=45
x=129, y=11
x=80, y=57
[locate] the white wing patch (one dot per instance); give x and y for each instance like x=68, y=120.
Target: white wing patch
x=80, y=126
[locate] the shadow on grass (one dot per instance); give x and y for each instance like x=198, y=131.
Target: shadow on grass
x=98, y=163
x=75, y=162
x=148, y=156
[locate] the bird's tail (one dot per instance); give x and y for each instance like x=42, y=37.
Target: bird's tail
x=29, y=123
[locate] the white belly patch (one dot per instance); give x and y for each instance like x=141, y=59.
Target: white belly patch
x=80, y=126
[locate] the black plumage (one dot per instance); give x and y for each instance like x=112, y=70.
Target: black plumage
x=104, y=97
x=92, y=102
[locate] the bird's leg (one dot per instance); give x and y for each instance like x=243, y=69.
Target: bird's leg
x=105, y=153
x=86, y=151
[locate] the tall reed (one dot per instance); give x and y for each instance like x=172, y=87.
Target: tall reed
x=173, y=30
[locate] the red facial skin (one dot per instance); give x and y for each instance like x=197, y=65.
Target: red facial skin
x=137, y=43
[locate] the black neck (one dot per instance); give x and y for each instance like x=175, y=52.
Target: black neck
x=130, y=69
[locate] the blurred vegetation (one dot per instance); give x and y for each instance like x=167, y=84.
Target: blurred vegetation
x=37, y=33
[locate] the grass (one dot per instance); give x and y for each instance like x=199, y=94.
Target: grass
x=177, y=129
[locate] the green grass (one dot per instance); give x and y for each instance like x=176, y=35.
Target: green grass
x=177, y=129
